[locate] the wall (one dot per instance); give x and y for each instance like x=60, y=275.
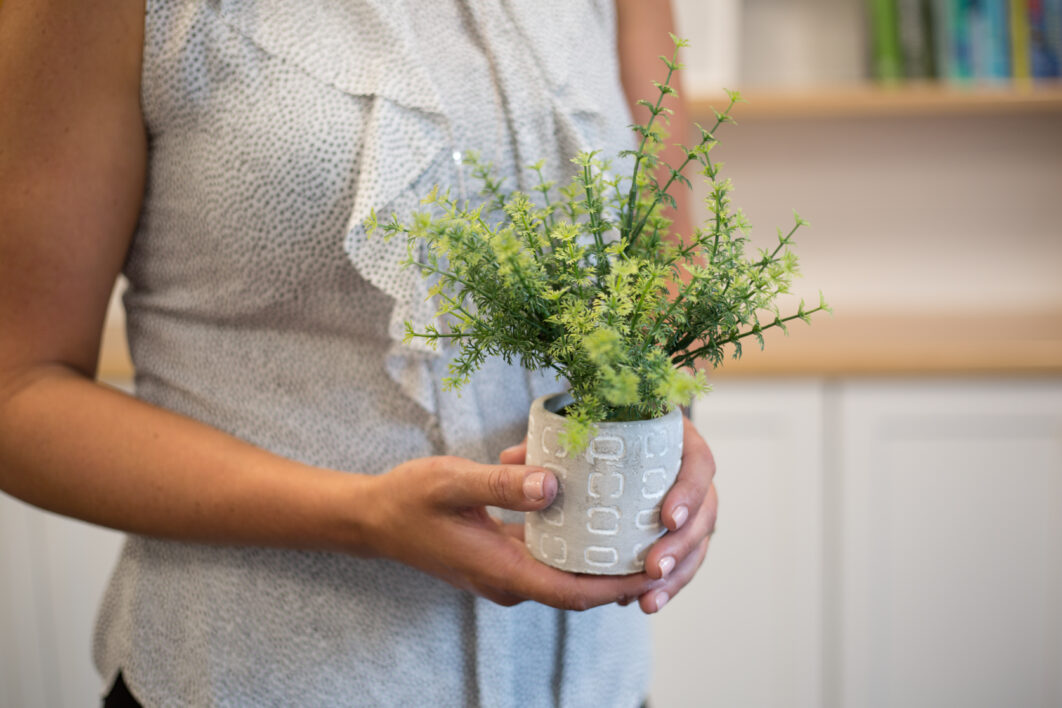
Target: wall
x=921, y=212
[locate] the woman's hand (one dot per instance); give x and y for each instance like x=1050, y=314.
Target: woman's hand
x=688, y=512
x=430, y=513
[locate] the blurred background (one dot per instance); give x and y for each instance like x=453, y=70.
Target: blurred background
x=890, y=479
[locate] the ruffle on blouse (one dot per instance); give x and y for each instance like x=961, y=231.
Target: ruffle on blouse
x=404, y=136
x=407, y=144
x=405, y=131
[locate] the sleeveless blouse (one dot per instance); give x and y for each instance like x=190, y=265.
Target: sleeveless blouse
x=257, y=305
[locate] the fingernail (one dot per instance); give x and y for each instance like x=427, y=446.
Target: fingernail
x=661, y=600
x=680, y=515
x=667, y=564
x=535, y=486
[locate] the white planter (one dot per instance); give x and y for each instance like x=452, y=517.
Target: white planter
x=607, y=511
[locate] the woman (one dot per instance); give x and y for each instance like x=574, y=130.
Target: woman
x=306, y=514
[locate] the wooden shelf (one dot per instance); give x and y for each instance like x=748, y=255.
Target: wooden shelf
x=872, y=101
x=869, y=343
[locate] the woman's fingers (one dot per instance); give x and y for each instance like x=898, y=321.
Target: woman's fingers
x=571, y=591
x=604, y=589
x=429, y=513
x=688, y=512
x=655, y=599
x=498, y=597
x=514, y=455
x=514, y=530
x=502, y=565
x=695, y=475
x=673, y=547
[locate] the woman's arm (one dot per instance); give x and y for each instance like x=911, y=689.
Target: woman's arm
x=642, y=28
x=72, y=164
x=72, y=167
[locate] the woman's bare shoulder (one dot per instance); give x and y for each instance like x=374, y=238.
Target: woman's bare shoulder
x=72, y=162
x=74, y=38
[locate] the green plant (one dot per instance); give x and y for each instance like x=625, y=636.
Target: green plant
x=576, y=279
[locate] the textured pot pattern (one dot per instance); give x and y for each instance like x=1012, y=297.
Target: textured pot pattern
x=607, y=511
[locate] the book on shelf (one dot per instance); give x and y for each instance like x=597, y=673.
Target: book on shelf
x=1043, y=53
x=1019, y=40
x=887, y=55
x=965, y=41
x=989, y=47
x=917, y=42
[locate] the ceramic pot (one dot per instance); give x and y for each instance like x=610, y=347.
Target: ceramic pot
x=607, y=511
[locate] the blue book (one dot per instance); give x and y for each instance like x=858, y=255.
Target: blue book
x=975, y=22
x=1053, y=20
x=962, y=46
x=997, y=14
x=1043, y=56
x=989, y=38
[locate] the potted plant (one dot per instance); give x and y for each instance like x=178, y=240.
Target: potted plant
x=577, y=279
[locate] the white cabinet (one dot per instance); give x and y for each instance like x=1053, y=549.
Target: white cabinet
x=52, y=574
x=951, y=545
x=748, y=630
x=881, y=543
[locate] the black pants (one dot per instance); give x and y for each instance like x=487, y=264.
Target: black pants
x=120, y=697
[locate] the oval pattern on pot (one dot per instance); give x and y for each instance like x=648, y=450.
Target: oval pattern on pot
x=607, y=511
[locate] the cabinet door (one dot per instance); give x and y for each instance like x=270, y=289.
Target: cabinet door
x=23, y=601
x=53, y=570
x=747, y=630
x=951, y=544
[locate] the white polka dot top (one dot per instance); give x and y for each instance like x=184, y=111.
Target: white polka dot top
x=257, y=305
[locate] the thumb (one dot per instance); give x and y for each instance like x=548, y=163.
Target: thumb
x=516, y=487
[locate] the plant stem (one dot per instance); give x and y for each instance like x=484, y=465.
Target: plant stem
x=549, y=205
x=473, y=289
x=690, y=356
x=632, y=197
x=602, y=265
x=679, y=297
x=781, y=242
x=633, y=235
x=441, y=335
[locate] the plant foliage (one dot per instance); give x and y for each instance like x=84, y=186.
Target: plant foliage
x=577, y=278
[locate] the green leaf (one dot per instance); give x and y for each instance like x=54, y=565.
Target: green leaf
x=665, y=89
x=678, y=42
x=734, y=96
x=620, y=387
x=603, y=345
x=822, y=303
